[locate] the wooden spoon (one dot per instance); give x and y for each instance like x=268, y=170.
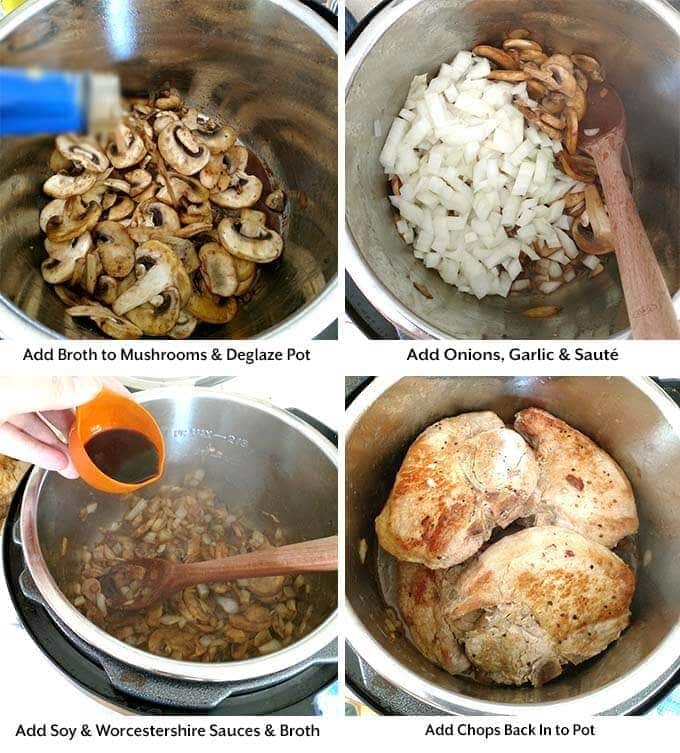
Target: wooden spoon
x=650, y=309
x=161, y=578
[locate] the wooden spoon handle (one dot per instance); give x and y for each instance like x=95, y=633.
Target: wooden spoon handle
x=650, y=309
x=319, y=555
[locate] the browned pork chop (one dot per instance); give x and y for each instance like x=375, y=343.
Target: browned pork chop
x=581, y=487
x=460, y=478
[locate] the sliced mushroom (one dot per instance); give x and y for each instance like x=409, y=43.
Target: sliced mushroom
x=139, y=180
x=116, y=248
x=578, y=167
x=156, y=214
x=107, y=321
x=157, y=317
x=54, y=208
x=74, y=248
x=106, y=289
x=56, y=272
x=521, y=44
x=168, y=99
x=247, y=272
x=578, y=103
x=500, y=57
x=76, y=219
x=190, y=213
x=218, y=138
x=276, y=200
x=163, y=119
x=210, y=308
x=554, y=103
x=510, y=76
x=159, y=268
x=118, y=185
x=181, y=150
x=195, y=228
x=184, y=327
x=555, y=77
x=91, y=272
x=58, y=162
x=183, y=186
x=589, y=66
x=218, y=269
x=266, y=247
x=536, y=90
x=127, y=147
x=244, y=191
x=82, y=151
x=62, y=185
x=571, y=130
x=236, y=159
x=185, y=251
x=123, y=208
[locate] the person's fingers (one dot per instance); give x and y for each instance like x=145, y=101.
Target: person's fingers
x=62, y=420
x=36, y=394
x=31, y=423
x=17, y=444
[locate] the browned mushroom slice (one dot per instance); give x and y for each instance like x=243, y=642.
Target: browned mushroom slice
x=236, y=159
x=210, y=308
x=264, y=247
x=168, y=99
x=218, y=138
x=189, y=213
x=218, y=269
x=107, y=321
x=183, y=186
x=54, y=208
x=500, y=57
x=571, y=130
x=511, y=76
x=578, y=103
x=116, y=248
x=276, y=200
x=82, y=151
x=184, y=327
x=195, y=228
x=74, y=248
x=578, y=167
x=56, y=272
x=247, y=272
x=555, y=77
x=157, y=268
x=76, y=219
x=244, y=191
x=62, y=185
x=181, y=150
x=157, y=215
x=123, y=208
x=159, y=315
x=589, y=66
x=184, y=250
x=91, y=272
x=106, y=289
x=521, y=44
x=58, y=162
x=127, y=147
x=139, y=180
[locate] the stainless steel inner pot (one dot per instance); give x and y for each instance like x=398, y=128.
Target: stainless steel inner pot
x=633, y=420
x=257, y=457
x=638, y=42
x=269, y=67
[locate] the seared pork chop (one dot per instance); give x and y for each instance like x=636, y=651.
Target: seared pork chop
x=580, y=486
x=537, y=600
x=460, y=478
x=421, y=595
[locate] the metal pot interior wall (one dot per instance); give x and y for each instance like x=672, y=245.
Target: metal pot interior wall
x=253, y=62
x=639, y=52
x=617, y=415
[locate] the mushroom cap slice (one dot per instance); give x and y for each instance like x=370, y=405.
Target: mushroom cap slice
x=218, y=269
x=276, y=200
x=82, y=151
x=161, y=269
x=139, y=180
x=123, y=208
x=184, y=327
x=112, y=325
x=75, y=220
x=116, y=248
x=156, y=214
x=247, y=272
x=183, y=186
x=218, y=138
x=106, y=289
x=74, y=248
x=157, y=319
x=236, y=159
x=62, y=185
x=181, y=150
x=127, y=147
x=91, y=271
x=210, y=308
x=56, y=272
x=244, y=191
x=265, y=248
x=54, y=208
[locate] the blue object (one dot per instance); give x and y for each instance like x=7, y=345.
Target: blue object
x=42, y=102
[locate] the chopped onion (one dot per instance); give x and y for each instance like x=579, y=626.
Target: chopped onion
x=229, y=605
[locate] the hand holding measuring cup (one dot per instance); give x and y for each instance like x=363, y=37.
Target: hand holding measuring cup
x=36, y=415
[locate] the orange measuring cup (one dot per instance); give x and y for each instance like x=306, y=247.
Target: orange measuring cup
x=110, y=410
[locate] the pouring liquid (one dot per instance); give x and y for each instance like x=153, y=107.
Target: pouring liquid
x=124, y=455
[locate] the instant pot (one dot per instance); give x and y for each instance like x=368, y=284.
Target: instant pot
x=269, y=67
x=637, y=42
x=258, y=458
x=635, y=421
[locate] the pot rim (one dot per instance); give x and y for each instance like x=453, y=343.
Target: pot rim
x=373, y=289
x=619, y=696
x=301, y=652
x=307, y=322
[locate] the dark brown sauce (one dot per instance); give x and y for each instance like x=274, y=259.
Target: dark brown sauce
x=124, y=455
